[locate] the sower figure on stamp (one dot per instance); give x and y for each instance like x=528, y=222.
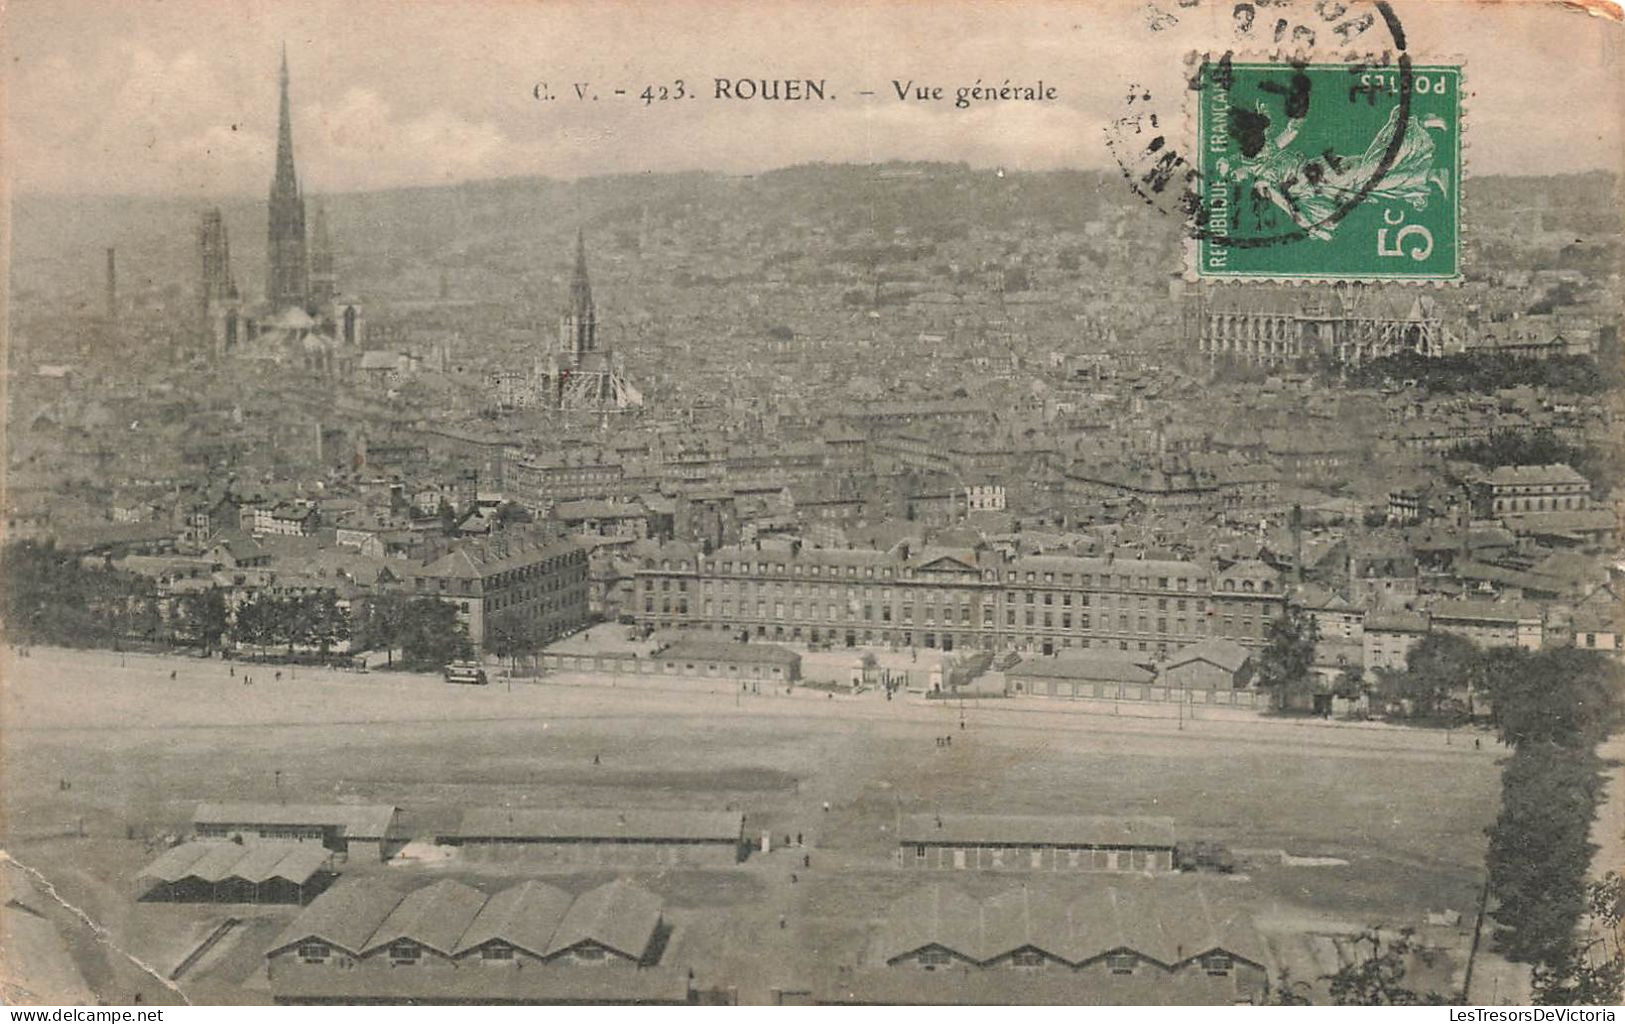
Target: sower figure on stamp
x=1312, y=191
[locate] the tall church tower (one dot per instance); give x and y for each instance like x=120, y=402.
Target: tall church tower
x=323, y=280
x=578, y=329
x=289, y=281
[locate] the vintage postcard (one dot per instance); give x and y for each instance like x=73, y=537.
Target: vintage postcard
x=1051, y=502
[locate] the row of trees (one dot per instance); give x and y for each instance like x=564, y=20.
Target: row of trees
x=1479, y=374
x=48, y=596
x=1600, y=462
x=1553, y=708
x=425, y=629
x=305, y=620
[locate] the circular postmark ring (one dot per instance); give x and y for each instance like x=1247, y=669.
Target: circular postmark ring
x=1152, y=166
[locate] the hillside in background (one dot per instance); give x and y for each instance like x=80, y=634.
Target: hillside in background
x=395, y=243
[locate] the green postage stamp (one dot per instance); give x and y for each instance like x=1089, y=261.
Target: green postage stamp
x=1328, y=171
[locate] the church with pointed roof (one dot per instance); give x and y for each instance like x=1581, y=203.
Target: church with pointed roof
x=577, y=374
x=304, y=320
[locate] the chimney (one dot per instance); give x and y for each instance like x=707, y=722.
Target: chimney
x=1297, y=545
x=112, y=284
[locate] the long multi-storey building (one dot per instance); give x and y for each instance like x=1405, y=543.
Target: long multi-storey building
x=511, y=591
x=939, y=598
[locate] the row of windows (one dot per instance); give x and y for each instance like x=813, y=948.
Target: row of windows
x=888, y=595
x=730, y=612
x=930, y=640
x=1122, y=581
x=1215, y=964
x=406, y=952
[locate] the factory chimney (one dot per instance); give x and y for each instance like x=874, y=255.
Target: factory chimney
x=112, y=284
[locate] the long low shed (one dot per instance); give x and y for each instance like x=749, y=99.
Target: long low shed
x=606, y=835
x=237, y=873
x=1036, y=843
x=370, y=941
x=352, y=829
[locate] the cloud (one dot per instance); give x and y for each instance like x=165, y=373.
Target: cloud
x=132, y=96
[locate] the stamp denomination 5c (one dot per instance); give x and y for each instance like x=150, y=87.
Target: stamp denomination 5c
x=1328, y=171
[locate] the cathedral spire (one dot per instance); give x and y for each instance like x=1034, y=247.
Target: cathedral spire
x=287, y=181
x=579, y=328
x=580, y=287
x=289, y=281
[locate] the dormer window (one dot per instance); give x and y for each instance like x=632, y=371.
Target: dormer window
x=496, y=951
x=1218, y=964
x=314, y=952
x=1121, y=963
x=402, y=953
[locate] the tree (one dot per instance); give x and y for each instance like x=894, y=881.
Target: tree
x=254, y=624
x=1288, y=992
x=1379, y=978
x=1539, y=851
x=1437, y=666
x=432, y=635
x=1350, y=683
x=1565, y=695
x=510, y=512
x=1580, y=980
x=324, y=623
x=203, y=618
x=1606, y=899
x=1285, y=666
x=382, y=617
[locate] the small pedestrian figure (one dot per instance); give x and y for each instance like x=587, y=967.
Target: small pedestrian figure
x=961, y=723
x=793, y=878
x=781, y=920
x=798, y=838
x=595, y=759
x=826, y=806
x=950, y=740
x=806, y=860
x=1476, y=744
x=232, y=669
x=279, y=677
x=172, y=673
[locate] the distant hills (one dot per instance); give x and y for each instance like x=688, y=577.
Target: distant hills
x=518, y=225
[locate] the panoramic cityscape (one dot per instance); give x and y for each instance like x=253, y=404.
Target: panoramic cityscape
x=835, y=583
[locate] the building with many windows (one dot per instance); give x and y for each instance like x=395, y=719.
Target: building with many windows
x=511, y=591
x=1124, y=941
x=1554, y=488
x=944, y=598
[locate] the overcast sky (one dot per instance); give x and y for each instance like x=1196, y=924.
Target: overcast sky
x=180, y=97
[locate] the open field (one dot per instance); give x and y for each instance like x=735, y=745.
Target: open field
x=138, y=750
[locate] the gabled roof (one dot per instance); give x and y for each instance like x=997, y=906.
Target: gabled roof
x=344, y=916
x=524, y=916
x=1556, y=473
x=1091, y=667
x=1169, y=921
x=435, y=916
x=1227, y=654
x=619, y=916
x=930, y=916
